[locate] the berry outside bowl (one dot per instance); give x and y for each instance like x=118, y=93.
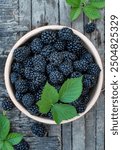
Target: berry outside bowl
x=93, y=95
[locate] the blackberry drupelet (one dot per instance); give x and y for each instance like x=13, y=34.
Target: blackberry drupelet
x=81, y=65
x=60, y=45
x=21, y=86
x=76, y=74
x=90, y=27
x=47, y=50
x=56, y=58
x=21, y=53
x=28, y=100
x=34, y=110
x=19, y=96
x=93, y=69
x=48, y=36
x=23, y=145
x=65, y=34
x=56, y=77
x=66, y=68
x=50, y=68
x=14, y=77
x=36, y=45
x=7, y=104
x=38, y=130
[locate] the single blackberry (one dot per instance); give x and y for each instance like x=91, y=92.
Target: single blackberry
x=21, y=86
x=37, y=95
x=29, y=72
x=60, y=45
x=47, y=50
x=50, y=68
x=39, y=79
x=19, y=96
x=76, y=38
x=88, y=57
x=14, y=77
x=38, y=129
x=28, y=100
x=75, y=47
x=90, y=27
x=32, y=88
x=23, y=145
x=36, y=45
x=16, y=67
x=81, y=65
x=56, y=77
x=48, y=36
x=21, y=53
x=34, y=110
x=76, y=74
x=81, y=108
x=65, y=34
x=89, y=81
x=56, y=58
x=49, y=115
x=85, y=91
x=93, y=69
x=66, y=68
x=39, y=63
x=69, y=56
x=28, y=62
x=7, y=104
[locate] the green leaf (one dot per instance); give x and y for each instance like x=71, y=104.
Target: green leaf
x=49, y=97
x=75, y=13
x=4, y=127
x=74, y=3
x=62, y=112
x=1, y=144
x=14, y=138
x=98, y=4
x=91, y=12
x=71, y=90
x=7, y=146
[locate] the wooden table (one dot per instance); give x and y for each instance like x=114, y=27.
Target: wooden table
x=20, y=16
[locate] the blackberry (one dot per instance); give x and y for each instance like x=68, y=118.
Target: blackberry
x=48, y=36
x=32, y=88
x=21, y=86
x=38, y=95
x=50, y=68
x=81, y=65
x=39, y=63
x=66, y=68
x=81, y=108
x=21, y=53
x=16, y=67
x=49, y=115
x=86, y=99
x=29, y=72
x=93, y=69
x=28, y=62
x=89, y=80
x=36, y=45
x=47, y=50
x=38, y=129
x=85, y=91
x=76, y=74
x=34, y=110
x=56, y=77
x=28, y=100
x=14, y=77
x=56, y=58
x=65, y=34
x=90, y=27
x=60, y=45
x=7, y=105
x=76, y=38
x=58, y=87
x=69, y=56
x=38, y=79
x=88, y=57
x=75, y=47
x=19, y=96
x=23, y=145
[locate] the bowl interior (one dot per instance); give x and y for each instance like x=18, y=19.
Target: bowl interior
x=94, y=93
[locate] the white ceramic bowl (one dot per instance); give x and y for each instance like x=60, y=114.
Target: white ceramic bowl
x=94, y=94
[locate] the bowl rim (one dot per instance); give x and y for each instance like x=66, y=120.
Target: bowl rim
x=26, y=37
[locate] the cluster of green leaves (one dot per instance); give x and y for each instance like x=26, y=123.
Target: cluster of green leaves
x=90, y=8
x=7, y=140
x=61, y=110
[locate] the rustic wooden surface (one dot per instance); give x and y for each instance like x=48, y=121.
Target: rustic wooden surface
x=20, y=16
